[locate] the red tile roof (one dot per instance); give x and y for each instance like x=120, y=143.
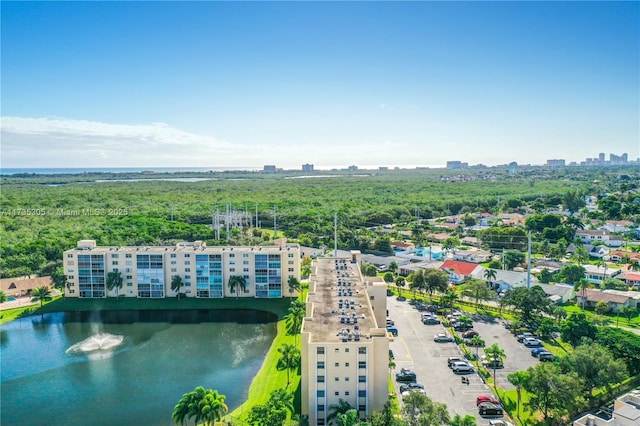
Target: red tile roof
x=460, y=268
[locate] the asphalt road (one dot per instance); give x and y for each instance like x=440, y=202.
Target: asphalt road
x=415, y=349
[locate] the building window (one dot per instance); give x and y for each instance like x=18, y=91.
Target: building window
x=346, y=393
x=187, y=255
x=372, y=298
x=346, y=350
x=320, y=394
x=362, y=393
x=187, y=269
x=114, y=255
x=232, y=255
x=362, y=364
x=245, y=255
x=320, y=364
x=362, y=379
x=362, y=407
x=320, y=351
x=72, y=291
x=290, y=269
x=337, y=364
x=320, y=379
x=245, y=262
x=173, y=262
x=187, y=277
x=336, y=393
x=232, y=269
x=115, y=262
x=320, y=407
x=129, y=277
x=290, y=255
x=187, y=262
x=346, y=364
x=337, y=379
x=70, y=255
x=128, y=255
x=346, y=379
x=173, y=269
x=173, y=255
x=362, y=350
x=337, y=350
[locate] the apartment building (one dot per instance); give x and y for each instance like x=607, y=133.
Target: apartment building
x=147, y=272
x=345, y=348
x=626, y=412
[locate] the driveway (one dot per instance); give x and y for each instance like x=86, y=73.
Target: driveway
x=415, y=349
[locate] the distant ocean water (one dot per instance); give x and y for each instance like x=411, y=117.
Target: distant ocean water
x=79, y=170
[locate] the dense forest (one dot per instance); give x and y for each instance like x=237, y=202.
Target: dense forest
x=41, y=216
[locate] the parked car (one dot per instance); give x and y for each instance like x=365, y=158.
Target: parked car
x=523, y=335
x=486, y=398
x=453, y=359
x=461, y=326
x=487, y=408
x=442, y=337
x=392, y=329
x=469, y=334
x=462, y=367
x=499, y=423
x=406, y=376
x=409, y=392
x=546, y=356
x=430, y=320
x=531, y=342
x=410, y=386
x=493, y=363
x=390, y=321
x=536, y=351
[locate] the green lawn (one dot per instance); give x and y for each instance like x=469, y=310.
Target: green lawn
x=613, y=318
x=269, y=378
x=510, y=400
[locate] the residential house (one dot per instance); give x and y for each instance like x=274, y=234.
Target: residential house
x=459, y=271
x=511, y=219
x=506, y=280
x=402, y=246
x=20, y=286
x=558, y=293
x=631, y=278
x=604, y=236
x=615, y=300
x=311, y=252
x=551, y=265
x=384, y=261
x=619, y=255
x=470, y=241
x=626, y=412
x=473, y=256
x=596, y=274
x=407, y=268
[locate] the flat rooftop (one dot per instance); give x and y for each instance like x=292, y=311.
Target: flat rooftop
x=341, y=308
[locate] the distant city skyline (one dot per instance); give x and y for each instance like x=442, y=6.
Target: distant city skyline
x=246, y=84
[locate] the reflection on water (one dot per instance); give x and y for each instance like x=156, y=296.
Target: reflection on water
x=108, y=368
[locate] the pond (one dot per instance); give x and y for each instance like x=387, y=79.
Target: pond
x=126, y=367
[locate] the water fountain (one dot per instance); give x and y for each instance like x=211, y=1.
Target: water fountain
x=97, y=342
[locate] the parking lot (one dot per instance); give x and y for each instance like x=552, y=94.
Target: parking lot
x=415, y=349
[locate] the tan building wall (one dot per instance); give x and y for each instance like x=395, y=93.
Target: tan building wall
x=183, y=260
x=337, y=366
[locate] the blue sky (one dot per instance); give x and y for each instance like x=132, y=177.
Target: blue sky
x=242, y=84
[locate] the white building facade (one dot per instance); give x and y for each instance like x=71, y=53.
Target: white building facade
x=147, y=272
x=345, y=348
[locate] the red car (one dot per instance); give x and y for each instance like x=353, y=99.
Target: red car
x=486, y=398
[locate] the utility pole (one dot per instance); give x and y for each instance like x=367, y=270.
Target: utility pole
x=335, y=235
x=529, y=260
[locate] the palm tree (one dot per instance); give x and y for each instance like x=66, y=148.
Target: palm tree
x=467, y=420
x=581, y=255
x=393, y=267
x=490, y=275
x=449, y=298
x=3, y=296
x=294, y=318
x=205, y=405
x=294, y=285
x=41, y=294
x=634, y=266
x=582, y=285
x=518, y=379
x=282, y=398
x=494, y=352
x=237, y=281
x=350, y=418
x=114, y=280
x=476, y=341
x=289, y=358
x=400, y=283
x=176, y=284
x=336, y=409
